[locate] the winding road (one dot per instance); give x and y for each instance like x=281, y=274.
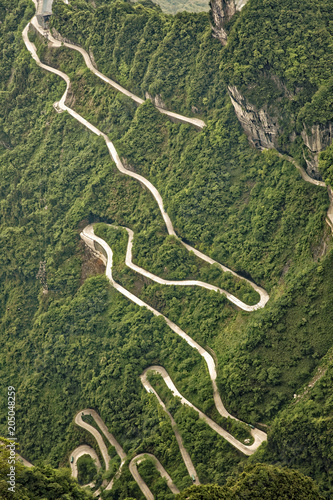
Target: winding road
x=24, y=461
x=80, y=451
x=329, y=218
x=258, y=435
x=87, y=450
x=100, y=247
x=57, y=43
x=129, y=262
x=100, y=442
x=135, y=473
x=264, y=297
x=175, y=116
x=184, y=453
x=305, y=176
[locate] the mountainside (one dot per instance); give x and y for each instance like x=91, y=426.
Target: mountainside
x=72, y=339
x=278, y=68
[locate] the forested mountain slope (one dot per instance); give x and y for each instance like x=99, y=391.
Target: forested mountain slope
x=278, y=63
x=70, y=341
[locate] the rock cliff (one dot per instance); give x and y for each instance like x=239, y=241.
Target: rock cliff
x=240, y=4
x=263, y=131
x=316, y=139
x=156, y=100
x=221, y=12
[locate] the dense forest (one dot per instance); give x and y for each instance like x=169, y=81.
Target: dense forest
x=258, y=482
x=37, y=482
x=288, y=69
x=70, y=341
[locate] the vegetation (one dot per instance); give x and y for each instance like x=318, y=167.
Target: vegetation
x=285, y=328
x=290, y=64
x=262, y=482
x=37, y=482
x=170, y=260
x=239, y=430
x=300, y=436
x=326, y=165
x=76, y=342
x=173, y=6
x=287, y=71
x=86, y=469
x=157, y=484
x=152, y=58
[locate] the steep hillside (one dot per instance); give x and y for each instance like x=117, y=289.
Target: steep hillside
x=152, y=58
x=278, y=66
x=70, y=340
x=264, y=482
x=34, y=483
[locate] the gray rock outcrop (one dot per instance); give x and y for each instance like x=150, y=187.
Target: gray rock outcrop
x=316, y=139
x=221, y=12
x=156, y=100
x=240, y=4
x=261, y=129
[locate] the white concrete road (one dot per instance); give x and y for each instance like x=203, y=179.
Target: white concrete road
x=258, y=435
x=85, y=449
x=135, y=473
x=100, y=441
x=184, y=453
x=129, y=262
x=23, y=461
x=97, y=435
x=90, y=239
x=196, y=122
x=329, y=218
x=80, y=451
x=315, y=182
x=264, y=297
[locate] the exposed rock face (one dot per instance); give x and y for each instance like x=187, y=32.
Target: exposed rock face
x=261, y=129
x=156, y=100
x=316, y=139
x=61, y=38
x=221, y=12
